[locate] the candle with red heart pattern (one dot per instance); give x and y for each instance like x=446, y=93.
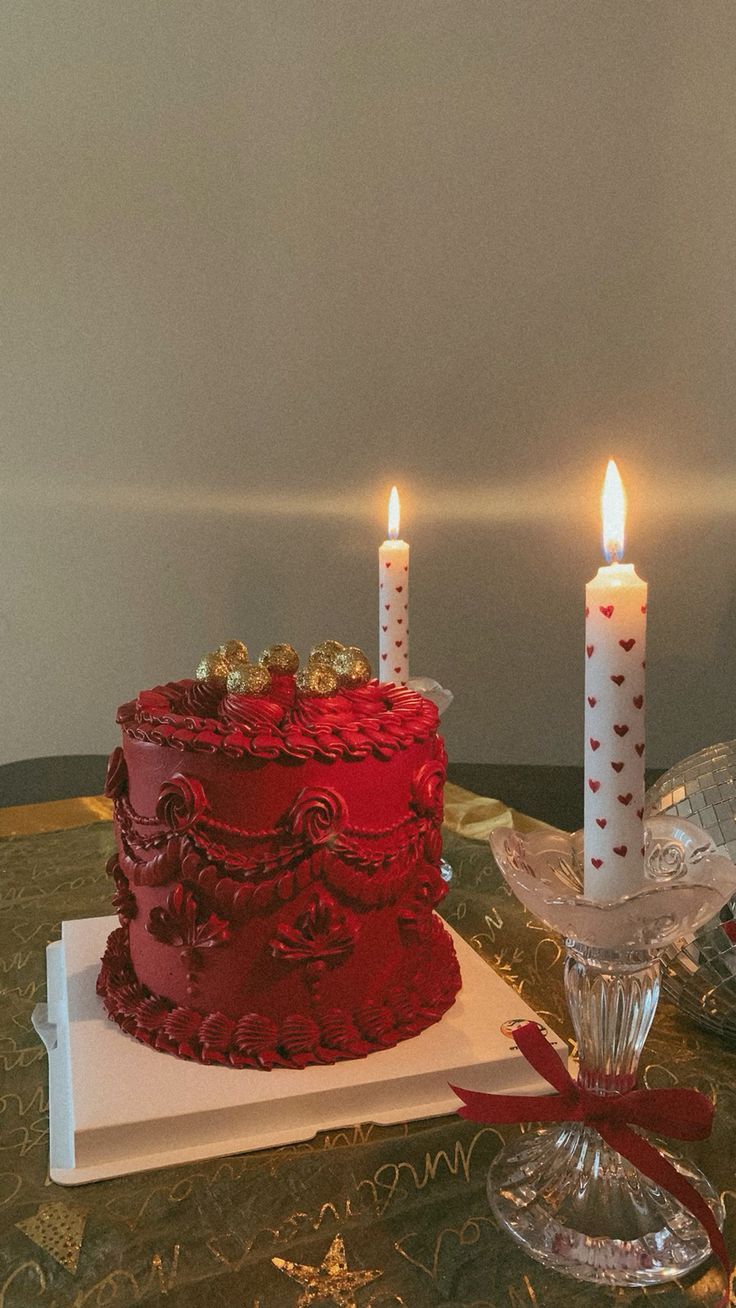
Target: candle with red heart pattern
x=615, y=659
x=393, y=600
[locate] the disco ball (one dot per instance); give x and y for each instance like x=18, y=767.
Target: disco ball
x=700, y=974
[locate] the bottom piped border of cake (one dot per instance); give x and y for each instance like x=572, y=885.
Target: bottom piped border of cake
x=254, y=1040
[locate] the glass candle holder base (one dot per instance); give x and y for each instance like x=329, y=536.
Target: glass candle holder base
x=578, y=1207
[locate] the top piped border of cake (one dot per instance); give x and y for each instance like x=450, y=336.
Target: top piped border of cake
x=378, y=718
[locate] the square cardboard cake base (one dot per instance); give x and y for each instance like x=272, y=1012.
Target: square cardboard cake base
x=116, y=1106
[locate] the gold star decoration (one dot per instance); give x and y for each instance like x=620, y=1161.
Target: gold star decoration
x=331, y=1280
x=58, y=1229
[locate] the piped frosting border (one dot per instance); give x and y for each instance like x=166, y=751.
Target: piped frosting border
x=378, y=718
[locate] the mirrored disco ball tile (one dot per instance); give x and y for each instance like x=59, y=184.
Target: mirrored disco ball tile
x=701, y=976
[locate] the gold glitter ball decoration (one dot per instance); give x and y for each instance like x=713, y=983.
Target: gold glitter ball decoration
x=326, y=652
x=216, y=665
x=331, y=1281
x=58, y=1229
x=213, y=667
x=280, y=658
x=352, y=667
x=317, y=679
x=248, y=679
x=233, y=651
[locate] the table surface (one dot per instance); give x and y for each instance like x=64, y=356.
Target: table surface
x=408, y=1202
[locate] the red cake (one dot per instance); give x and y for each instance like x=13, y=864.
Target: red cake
x=277, y=868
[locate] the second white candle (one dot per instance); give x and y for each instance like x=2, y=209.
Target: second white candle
x=393, y=600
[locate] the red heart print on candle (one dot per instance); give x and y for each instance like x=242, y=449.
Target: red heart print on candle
x=384, y=628
x=620, y=728
x=639, y=749
x=597, y=862
x=606, y=610
x=602, y=823
x=621, y=850
x=589, y=650
x=399, y=589
x=628, y=645
x=594, y=744
x=594, y=785
x=640, y=813
x=637, y=701
x=592, y=701
x=625, y=799
x=618, y=679
x=617, y=766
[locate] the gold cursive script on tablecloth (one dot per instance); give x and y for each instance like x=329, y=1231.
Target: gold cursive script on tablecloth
x=467, y=1234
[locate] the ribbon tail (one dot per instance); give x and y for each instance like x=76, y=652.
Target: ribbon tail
x=540, y=1054
x=513, y=1109
x=648, y=1160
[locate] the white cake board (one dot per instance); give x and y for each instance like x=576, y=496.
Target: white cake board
x=117, y=1106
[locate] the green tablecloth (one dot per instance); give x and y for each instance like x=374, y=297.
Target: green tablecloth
x=408, y=1202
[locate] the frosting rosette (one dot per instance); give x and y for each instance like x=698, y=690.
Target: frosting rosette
x=316, y=815
x=252, y=712
x=427, y=790
x=116, y=778
x=156, y=701
x=181, y=802
x=202, y=699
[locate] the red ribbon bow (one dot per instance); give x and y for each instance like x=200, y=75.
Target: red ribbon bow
x=681, y=1113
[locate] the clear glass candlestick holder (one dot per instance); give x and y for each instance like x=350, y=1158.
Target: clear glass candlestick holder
x=568, y=1198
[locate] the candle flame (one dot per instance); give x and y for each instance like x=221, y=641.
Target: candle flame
x=394, y=514
x=613, y=513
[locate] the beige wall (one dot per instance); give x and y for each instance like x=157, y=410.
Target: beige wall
x=262, y=258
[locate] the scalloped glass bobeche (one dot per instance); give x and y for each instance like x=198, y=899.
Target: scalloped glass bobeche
x=685, y=881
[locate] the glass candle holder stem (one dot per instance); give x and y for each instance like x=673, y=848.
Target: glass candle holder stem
x=612, y=1001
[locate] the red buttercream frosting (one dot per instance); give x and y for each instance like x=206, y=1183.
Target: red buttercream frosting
x=276, y=873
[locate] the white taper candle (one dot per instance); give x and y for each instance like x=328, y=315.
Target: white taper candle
x=393, y=600
x=615, y=649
